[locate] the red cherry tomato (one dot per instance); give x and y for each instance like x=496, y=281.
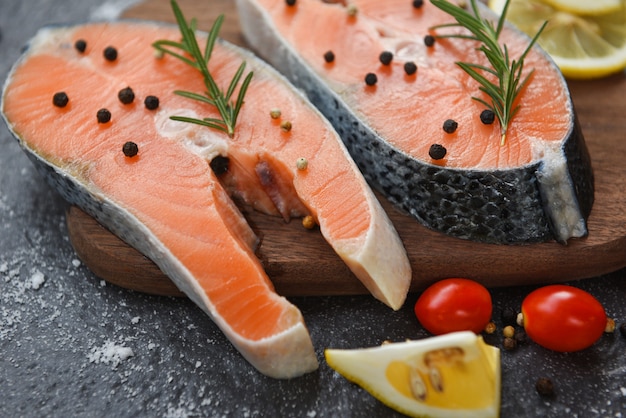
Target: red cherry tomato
x=454, y=305
x=563, y=318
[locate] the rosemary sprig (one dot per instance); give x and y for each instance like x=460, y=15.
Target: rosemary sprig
x=190, y=53
x=508, y=72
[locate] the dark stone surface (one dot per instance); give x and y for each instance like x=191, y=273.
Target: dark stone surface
x=57, y=322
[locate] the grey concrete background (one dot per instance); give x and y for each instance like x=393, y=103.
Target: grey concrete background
x=66, y=336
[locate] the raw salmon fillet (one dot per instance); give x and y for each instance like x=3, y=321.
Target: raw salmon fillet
x=166, y=200
x=535, y=188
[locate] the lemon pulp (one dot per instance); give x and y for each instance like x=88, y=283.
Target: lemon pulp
x=452, y=375
x=583, y=46
x=586, y=7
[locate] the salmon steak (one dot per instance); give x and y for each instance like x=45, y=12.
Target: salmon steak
x=386, y=77
x=91, y=106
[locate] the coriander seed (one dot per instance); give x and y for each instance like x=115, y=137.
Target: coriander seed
x=308, y=222
x=508, y=331
x=285, y=126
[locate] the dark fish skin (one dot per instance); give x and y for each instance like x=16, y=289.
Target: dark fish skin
x=499, y=207
x=521, y=205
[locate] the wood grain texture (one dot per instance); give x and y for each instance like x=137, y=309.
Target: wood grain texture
x=300, y=262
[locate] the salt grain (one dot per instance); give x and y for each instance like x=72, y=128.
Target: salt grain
x=37, y=279
x=110, y=353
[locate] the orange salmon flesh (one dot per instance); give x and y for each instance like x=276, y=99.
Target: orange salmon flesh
x=413, y=119
x=194, y=231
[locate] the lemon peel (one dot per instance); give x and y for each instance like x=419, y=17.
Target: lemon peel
x=452, y=375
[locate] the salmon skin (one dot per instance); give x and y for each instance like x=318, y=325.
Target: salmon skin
x=538, y=187
x=171, y=195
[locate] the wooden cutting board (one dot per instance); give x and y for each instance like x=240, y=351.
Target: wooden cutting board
x=300, y=262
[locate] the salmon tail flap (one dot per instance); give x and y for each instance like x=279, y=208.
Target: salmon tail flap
x=394, y=92
x=98, y=125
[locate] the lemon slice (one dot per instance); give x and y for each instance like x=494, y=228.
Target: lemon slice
x=586, y=7
x=452, y=375
x=583, y=47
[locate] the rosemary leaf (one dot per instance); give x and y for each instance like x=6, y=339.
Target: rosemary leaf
x=195, y=96
x=208, y=123
x=235, y=81
x=508, y=72
x=188, y=51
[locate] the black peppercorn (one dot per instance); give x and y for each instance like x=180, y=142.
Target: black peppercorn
x=60, y=99
x=544, y=386
x=130, y=149
x=290, y=2
x=429, y=40
x=151, y=102
x=450, y=125
x=418, y=3
x=410, y=68
x=371, y=79
x=622, y=329
x=509, y=316
x=437, y=151
x=126, y=95
x=80, y=45
x=487, y=116
x=329, y=56
x=520, y=337
x=103, y=116
x=219, y=165
x=385, y=57
x=110, y=53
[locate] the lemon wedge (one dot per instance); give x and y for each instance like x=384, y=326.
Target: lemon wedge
x=586, y=7
x=452, y=375
x=583, y=46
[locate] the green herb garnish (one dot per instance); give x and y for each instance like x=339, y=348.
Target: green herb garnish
x=191, y=54
x=508, y=72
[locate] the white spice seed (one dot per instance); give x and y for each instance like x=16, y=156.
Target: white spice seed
x=302, y=163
